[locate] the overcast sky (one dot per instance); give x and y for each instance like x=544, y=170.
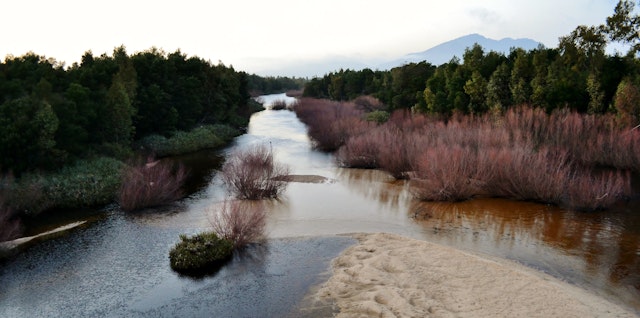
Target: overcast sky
x=259, y=35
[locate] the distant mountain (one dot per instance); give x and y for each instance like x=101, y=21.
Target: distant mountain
x=444, y=52
x=436, y=55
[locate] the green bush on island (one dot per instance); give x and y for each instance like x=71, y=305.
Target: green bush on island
x=200, y=254
x=203, y=137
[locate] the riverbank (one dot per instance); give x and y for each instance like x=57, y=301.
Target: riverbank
x=387, y=275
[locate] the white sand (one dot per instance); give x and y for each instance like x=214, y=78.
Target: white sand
x=387, y=275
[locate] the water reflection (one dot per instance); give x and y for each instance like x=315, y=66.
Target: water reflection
x=592, y=250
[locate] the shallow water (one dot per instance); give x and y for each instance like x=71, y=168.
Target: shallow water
x=122, y=259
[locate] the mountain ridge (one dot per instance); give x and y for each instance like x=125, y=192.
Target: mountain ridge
x=437, y=55
x=445, y=51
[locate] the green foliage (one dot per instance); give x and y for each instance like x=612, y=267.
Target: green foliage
x=200, y=254
x=27, y=130
x=87, y=183
x=259, y=85
x=498, y=92
x=204, y=137
x=476, y=88
x=627, y=102
x=624, y=25
x=377, y=116
x=51, y=116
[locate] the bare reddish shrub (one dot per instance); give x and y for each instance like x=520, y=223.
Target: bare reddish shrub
x=360, y=151
x=294, y=93
x=330, y=123
x=151, y=184
x=395, y=151
x=590, y=193
x=368, y=103
x=447, y=173
x=523, y=174
x=525, y=154
x=253, y=174
x=532, y=121
x=240, y=222
x=589, y=140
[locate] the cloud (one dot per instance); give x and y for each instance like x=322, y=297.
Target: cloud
x=485, y=16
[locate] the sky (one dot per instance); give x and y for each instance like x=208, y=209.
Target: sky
x=270, y=36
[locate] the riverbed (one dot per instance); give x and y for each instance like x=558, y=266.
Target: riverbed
x=117, y=264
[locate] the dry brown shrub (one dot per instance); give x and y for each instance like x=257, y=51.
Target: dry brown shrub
x=595, y=192
x=240, y=222
x=151, y=184
x=330, y=123
x=253, y=174
x=522, y=174
x=359, y=152
x=447, y=173
x=368, y=103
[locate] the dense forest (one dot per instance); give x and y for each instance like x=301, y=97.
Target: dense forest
x=70, y=136
x=50, y=115
x=578, y=75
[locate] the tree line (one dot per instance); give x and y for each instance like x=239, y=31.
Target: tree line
x=51, y=115
x=578, y=75
x=262, y=85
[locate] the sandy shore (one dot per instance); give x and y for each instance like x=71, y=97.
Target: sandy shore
x=387, y=275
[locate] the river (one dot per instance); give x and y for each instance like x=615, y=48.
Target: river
x=117, y=263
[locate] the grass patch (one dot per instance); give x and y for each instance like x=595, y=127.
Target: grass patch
x=203, y=137
x=87, y=183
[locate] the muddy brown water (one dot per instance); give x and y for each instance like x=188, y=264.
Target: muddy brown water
x=121, y=260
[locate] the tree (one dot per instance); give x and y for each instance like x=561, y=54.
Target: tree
x=498, y=92
x=596, y=95
x=27, y=130
x=521, y=75
x=476, y=88
x=624, y=26
x=435, y=95
x=118, y=115
x=627, y=102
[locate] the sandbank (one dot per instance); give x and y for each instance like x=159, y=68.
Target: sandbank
x=387, y=275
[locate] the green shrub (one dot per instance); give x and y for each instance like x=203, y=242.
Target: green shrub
x=200, y=254
x=87, y=183
x=203, y=137
x=378, y=116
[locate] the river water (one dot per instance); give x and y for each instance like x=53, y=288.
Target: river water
x=117, y=264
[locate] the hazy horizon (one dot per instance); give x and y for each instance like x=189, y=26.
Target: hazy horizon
x=261, y=37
